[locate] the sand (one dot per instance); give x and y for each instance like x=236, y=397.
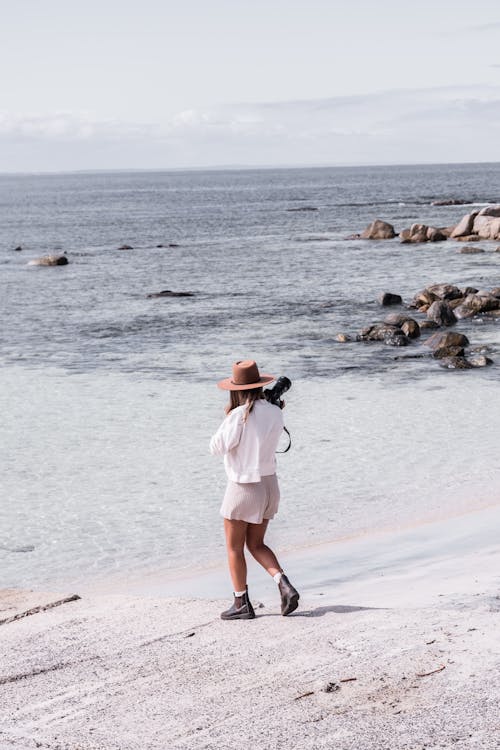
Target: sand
x=398, y=661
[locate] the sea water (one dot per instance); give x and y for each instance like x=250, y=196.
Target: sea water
x=108, y=397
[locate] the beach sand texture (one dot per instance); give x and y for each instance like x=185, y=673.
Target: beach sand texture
x=123, y=673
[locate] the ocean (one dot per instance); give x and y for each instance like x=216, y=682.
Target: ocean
x=108, y=396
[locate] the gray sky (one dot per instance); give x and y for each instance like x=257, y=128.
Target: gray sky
x=158, y=84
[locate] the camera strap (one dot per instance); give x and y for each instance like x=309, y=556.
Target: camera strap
x=289, y=442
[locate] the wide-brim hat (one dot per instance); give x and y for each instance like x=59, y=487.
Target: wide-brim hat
x=245, y=376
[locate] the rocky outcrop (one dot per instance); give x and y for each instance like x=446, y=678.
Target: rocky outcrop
x=484, y=223
x=472, y=304
x=49, y=260
x=378, y=230
x=423, y=233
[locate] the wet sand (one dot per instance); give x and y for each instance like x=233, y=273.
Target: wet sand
x=394, y=652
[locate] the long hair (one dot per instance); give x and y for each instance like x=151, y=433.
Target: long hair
x=238, y=398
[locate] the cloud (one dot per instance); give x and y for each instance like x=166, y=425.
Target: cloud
x=450, y=123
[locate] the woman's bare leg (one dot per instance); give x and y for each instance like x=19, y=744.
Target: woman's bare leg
x=235, y=542
x=263, y=554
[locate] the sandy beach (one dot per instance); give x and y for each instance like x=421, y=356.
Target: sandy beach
x=392, y=656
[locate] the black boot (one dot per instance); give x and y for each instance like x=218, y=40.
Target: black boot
x=241, y=609
x=289, y=596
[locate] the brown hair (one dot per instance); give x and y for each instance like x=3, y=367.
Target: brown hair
x=238, y=398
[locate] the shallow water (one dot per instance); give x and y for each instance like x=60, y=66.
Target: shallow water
x=108, y=397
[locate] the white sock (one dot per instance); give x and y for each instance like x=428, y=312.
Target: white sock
x=240, y=593
x=277, y=577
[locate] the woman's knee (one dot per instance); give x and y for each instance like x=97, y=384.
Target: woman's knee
x=255, y=546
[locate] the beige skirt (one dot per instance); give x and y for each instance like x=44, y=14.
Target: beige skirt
x=253, y=501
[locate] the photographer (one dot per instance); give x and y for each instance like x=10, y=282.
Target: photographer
x=248, y=438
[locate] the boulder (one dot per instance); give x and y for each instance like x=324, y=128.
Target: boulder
x=465, y=225
x=441, y=313
x=425, y=297
x=445, y=291
x=448, y=339
x=468, y=238
x=353, y=237
x=480, y=361
x=455, y=363
x=378, y=230
x=18, y=249
x=49, y=260
x=428, y=325
x=495, y=291
x=470, y=250
x=396, y=339
x=416, y=233
x=477, y=303
x=487, y=227
x=387, y=298
x=380, y=332
x=469, y=290
x=436, y=235
x=490, y=211
x=411, y=328
x=448, y=351
x=342, y=338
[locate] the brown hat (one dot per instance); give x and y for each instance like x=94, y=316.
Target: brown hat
x=245, y=375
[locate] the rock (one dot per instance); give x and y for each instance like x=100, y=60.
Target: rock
x=160, y=245
x=444, y=291
x=447, y=339
x=436, y=235
x=455, y=363
x=303, y=208
x=174, y=244
x=469, y=290
x=448, y=351
x=396, y=319
x=50, y=260
x=353, y=237
x=411, y=328
x=490, y=211
x=18, y=249
x=125, y=247
x=465, y=225
x=451, y=202
x=495, y=291
x=425, y=297
x=468, y=238
x=477, y=303
x=378, y=230
x=416, y=233
x=453, y=303
x=497, y=249
x=391, y=335
x=428, y=325
x=480, y=361
x=169, y=293
x=487, y=226
x=343, y=338
x=387, y=298
x=470, y=250
x=397, y=339
x=441, y=313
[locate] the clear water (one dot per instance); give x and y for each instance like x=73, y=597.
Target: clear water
x=107, y=396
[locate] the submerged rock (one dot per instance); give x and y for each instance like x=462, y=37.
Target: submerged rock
x=125, y=247
x=470, y=250
x=343, y=338
x=169, y=293
x=455, y=363
x=447, y=339
x=451, y=202
x=303, y=208
x=18, y=249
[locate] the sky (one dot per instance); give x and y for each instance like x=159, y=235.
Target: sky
x=156, y=84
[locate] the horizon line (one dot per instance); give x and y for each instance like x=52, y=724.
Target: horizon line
x=236, y=167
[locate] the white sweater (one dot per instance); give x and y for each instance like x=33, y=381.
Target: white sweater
x=249, y=447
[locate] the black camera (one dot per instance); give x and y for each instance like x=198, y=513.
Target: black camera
x=274, y=394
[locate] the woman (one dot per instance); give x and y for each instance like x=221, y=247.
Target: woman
x=247, y=439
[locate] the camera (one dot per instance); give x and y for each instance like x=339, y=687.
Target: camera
x=274, y=394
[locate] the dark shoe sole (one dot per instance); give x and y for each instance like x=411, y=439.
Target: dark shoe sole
x=247, y=616
x=291, y=605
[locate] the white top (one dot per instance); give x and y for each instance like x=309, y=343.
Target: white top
x=249, y=447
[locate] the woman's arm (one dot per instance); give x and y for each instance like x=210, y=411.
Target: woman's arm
x=228, y=435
